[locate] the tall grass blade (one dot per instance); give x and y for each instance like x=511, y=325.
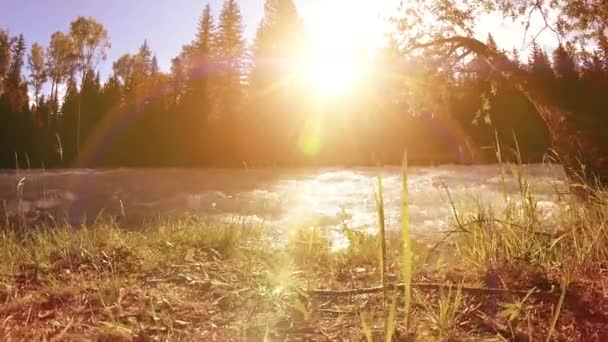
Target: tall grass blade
x=391, y=323
x=500, y=163
x=558, y=310
x=267, y=334
x=407, y=263
x=367, y=330
x=381, y=225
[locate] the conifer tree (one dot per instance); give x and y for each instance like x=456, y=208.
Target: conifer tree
x=278, y=45
x=203, y=67
x=230, y=53
x=5, y=57
x=200, y=62
x=154, y=67
x=564, y=64
x=231, y=59
x=16, y=88
x=541, y=71
x=69, y=120
x=91, y=96
x=566, y=83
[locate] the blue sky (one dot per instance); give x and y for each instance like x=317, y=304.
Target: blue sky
x=166, y=24
x=169, y=24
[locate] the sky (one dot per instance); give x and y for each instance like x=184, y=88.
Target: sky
x=166, y=24
x=169, y=24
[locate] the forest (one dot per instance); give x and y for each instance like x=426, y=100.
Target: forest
x=143, y=239
x=230, y=103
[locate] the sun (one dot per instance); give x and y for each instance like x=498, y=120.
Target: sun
x=332, y=72
x=343, y=36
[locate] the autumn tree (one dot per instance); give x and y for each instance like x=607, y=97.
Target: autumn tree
x=59, y=65
x=37, y=65
x=91, y=40
x=447, y=28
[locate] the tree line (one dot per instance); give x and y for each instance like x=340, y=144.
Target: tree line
x=227, y=103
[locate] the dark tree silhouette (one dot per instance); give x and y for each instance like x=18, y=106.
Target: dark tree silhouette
x=579, y=142
x=221, y=106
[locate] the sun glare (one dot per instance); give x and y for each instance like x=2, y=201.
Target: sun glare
x=332, y=72
x=344, y=35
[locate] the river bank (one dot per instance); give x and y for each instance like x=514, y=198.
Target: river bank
x=513, y=273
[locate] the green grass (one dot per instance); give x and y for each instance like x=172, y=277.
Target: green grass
x=407, y=252
x=180, y=278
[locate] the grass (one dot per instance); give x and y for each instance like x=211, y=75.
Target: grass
x=511, y=273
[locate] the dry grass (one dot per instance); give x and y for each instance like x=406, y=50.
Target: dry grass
x=182, y=279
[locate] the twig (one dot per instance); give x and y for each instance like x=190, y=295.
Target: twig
x=444, y=240
x=510, y=333
x=523, y=43
x=340, y=312
x=65, y=330
x=557, y=234
x=427, y=286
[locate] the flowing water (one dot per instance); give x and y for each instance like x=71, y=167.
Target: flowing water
x=280, y=198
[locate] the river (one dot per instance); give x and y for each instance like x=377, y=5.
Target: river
x=280, y=198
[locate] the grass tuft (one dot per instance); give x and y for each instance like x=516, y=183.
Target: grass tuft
x=513, y=270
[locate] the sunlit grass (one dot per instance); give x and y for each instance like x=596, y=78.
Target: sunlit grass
x=407, y=253
x=167, y=273
x=381, y=229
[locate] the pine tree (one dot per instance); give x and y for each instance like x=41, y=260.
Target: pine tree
x=279, y=43
x=139, y=68
x=202, y=64
x=5, y=57
x=539, y=63
x=178, y=80
x=542, y=76
x=231, y=58
x=206, y=35
x=230, y=61
x=202, y=73
x=274, y=84
x=564, y=65
x=144, y=60
x=16, y=66
x=68, y=121
x=566, y=84
x=154, y=67
x=16, y=88
x=91, y=96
